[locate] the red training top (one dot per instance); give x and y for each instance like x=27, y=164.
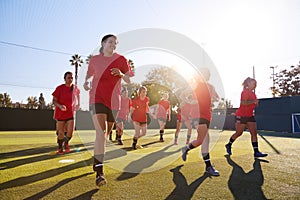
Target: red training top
x=186, y=109
x=163, y=108
x=65, y=96
x=246, y=110
x=125, y=105
x=140, y=109
x=202, y=95
x=106, y=88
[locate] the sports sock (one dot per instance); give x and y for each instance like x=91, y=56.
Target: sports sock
x=230, y=141
x=188, y=137
x=98, y=164
x=161, y=133
x=190, y=146
x=67, y=139
x=135, y=141
x=255, y=147
x=60, y=142
x=206, y=159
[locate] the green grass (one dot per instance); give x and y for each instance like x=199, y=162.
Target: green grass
x=29, y=171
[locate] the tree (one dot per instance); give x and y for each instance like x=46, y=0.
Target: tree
x=164, y=79
x=224, y=104
x=5, y=100
x=76, y=61
x=287, y=82
x=32, y=102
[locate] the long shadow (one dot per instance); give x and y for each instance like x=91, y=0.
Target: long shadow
x=134, y=168
x=270, y=144
x=56, y=186
x=182, y=190
x=86, y=196
x=246, y=185
x=34, y=151
x=44, y=175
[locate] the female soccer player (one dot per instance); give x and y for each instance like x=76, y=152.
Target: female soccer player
x=66, y=101
x=244, y=117
x=138, y=112
x=122, y=115
x=184, y=115
x=201, y=116
x=163, y=113
x=106, y=69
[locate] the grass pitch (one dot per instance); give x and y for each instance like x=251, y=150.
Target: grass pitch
x=30, y=169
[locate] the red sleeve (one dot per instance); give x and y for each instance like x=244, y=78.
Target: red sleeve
x=90, y=71
x=56, y=93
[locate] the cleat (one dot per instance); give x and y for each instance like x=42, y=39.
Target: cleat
x=120, y=142
x=100, y=180
x=259, y=154
x=184, y=153
x=161, y=139
x=67, y=148
x=60, y=152
x=212, y=171
x=228, y=149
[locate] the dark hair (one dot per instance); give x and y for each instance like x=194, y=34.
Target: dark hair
x=142, y=88
x=66, y=74
x=107, y=36
x=104, y=39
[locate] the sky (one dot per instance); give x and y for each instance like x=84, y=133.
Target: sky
x=38, y=38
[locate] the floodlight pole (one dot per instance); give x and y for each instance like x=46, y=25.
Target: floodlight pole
x=273, y=74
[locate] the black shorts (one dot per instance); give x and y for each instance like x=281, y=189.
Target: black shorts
x=198, y=121
x=65, y=120
x=100, y=108
x=244, y=120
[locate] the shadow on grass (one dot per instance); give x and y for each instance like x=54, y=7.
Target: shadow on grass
x=44, y=175
x=86, y=196
x=246, y=185
x=45, y=151
x=182, y=190
x=136, y=167
x=270, y=144
x=56, y=186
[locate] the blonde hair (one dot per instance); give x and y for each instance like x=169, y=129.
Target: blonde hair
x=247, y=81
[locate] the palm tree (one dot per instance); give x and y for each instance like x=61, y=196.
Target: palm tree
x=76, y=61
x=32, y=102
x=5, y=100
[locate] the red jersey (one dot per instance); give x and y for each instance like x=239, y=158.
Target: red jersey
x=140, y=109
x=186, y=109
x=65, y=96
x=246, y=110
x=106, y=88
x=163, y=108
x=125, y=106
x=202, y=95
